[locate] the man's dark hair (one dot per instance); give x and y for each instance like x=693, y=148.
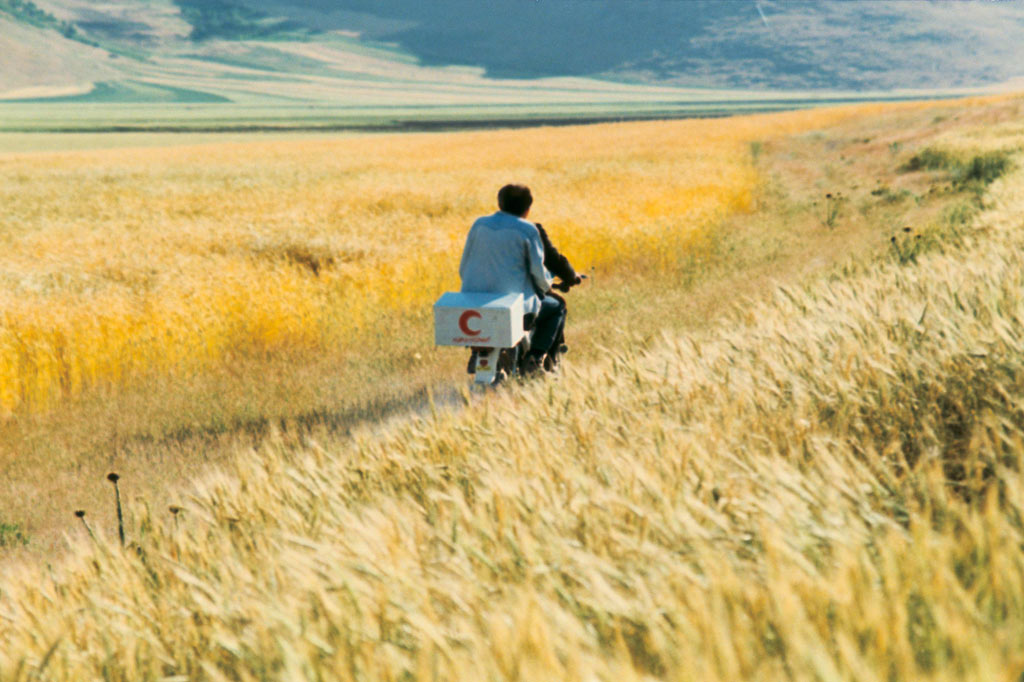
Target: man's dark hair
x=515, y=199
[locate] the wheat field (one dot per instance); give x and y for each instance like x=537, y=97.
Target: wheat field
x=127, y=263
x=825, y=486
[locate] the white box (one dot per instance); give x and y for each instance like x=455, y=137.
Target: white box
x=485, y=320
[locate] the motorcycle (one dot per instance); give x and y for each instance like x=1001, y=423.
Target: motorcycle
x=496, y=331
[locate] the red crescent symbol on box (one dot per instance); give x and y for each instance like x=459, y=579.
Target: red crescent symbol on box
x=464, y=323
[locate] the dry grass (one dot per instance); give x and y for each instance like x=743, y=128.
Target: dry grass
x=826, y=487
x=128, y=263
x=161, y=425
x=121, y=264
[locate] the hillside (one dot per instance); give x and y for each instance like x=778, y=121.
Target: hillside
x=877, y=45
x=64, y=67
x=279, y=52
x=156, y=71
x=133, y=53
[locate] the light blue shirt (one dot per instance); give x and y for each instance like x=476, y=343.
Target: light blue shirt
x=504, y=254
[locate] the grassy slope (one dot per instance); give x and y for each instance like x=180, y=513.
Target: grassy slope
x=880, y=44
x=165, y=82
x=285, y=81
x=162, y=81
x=36, y=58
x=166, y=430
x=824, y=486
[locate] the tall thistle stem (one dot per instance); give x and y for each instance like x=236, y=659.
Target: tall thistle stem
x=113, y=478
x=80, y=514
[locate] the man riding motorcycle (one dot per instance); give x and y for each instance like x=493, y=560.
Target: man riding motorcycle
x=504, y=253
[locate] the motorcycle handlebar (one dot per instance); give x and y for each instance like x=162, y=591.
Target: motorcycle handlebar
x=564, y=286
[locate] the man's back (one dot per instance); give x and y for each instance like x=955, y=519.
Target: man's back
x=504, y=254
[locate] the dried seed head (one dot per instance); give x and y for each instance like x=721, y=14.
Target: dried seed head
x=828, y=196
x=80, y=513
x=907, y=229
x=112, y=477
x=174, y=509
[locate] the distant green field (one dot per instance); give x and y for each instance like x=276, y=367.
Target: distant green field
x=102, y=112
